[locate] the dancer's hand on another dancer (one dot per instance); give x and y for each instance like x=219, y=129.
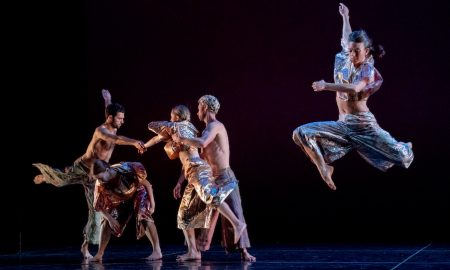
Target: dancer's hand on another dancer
x=176, y=137
x=114, y=224
x=140, y=145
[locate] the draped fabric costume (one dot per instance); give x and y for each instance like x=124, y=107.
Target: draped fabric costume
x=124, y=195
x=204, y=236
x=201, y=194
x=360, y=131
x=78, y=173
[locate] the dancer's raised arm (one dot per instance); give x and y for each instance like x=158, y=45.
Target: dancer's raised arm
x=346, y=29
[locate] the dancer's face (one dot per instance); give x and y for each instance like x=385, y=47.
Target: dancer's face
x=358, y=53
x=104, y=176
x=201, y=111
x=118, y=120
x=174, y=117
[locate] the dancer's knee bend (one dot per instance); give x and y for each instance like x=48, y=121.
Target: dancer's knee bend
x=299, y=135
x=405, y=155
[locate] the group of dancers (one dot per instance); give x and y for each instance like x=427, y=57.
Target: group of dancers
x=115, y=192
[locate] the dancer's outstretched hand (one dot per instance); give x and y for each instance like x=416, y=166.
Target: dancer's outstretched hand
x=318, y=85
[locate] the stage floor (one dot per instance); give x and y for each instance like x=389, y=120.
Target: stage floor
x=335, y=256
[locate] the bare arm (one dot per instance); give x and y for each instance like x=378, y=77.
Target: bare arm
x=113, y=223
x=107, y=136
x=210, y=132
x=346, y=29
x=156, y=139
x=149, y=189
x=375, y=85
x=106, y=96
x=340, y=87
x=177, y=188
x=141, y=175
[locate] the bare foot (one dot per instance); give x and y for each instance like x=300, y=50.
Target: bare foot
x=97, y=258
x=87, y=255
x=39, y=179
x=85, y=251
x=190, y=256
x=155, y=256
x=238, y=231
x=326, y=173
x=247, y=256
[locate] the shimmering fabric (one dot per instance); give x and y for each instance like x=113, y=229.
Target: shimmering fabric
x=195, y=206
x=201, y=195
x=345, y=72
x=358, y=131
x=204, y=236
x=117, y=190
x=166, y=129
x=163, y=128
x=78, y=173
x=75, y=174
x=124, y=195
x=210, y=190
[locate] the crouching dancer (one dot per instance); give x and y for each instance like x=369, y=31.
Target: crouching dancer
x=122, y=189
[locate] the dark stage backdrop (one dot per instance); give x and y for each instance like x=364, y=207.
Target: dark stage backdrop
x=260, y=59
